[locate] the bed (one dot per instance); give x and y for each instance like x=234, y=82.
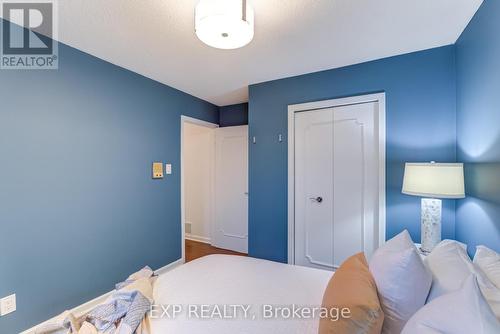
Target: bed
x=234, y=280
x=396, y=292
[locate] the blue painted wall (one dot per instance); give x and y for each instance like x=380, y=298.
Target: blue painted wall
x=78, y=208
x=478, y=128
x=233, y=115
x=421, y=126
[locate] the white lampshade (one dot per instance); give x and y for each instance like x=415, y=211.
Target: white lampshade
x=224, y=24
x=434, y=180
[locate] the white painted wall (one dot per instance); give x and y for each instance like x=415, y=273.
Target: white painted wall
x=198, y=153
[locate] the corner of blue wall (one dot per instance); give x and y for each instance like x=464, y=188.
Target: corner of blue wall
x=478, y=128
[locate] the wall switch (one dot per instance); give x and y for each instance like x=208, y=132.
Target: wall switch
x=7, y=305
x=168, y=169
x=157, y=170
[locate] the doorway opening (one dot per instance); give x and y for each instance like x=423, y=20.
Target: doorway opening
x=210, y=183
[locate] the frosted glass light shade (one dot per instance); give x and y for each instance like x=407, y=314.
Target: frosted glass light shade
x=224, y=24
x=434, y=180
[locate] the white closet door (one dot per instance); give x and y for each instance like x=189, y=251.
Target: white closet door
x=313, y=188
x=336, y=184
x=231, y=190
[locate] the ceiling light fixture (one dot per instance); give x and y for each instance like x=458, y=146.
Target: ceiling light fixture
x=224, y=24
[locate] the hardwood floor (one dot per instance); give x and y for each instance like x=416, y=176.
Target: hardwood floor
x=196, y=250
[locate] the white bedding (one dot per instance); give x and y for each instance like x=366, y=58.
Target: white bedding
x=234, y=280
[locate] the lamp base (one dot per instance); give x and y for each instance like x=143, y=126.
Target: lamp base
x=431, y=223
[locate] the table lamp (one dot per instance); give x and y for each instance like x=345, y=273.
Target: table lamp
x=433, y=181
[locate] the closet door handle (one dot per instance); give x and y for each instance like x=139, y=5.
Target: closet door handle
x=316, y=199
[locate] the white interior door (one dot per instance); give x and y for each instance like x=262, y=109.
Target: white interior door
x=231, y=189
x=336, y=184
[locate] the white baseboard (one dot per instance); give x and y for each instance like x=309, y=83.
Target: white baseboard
x=193, y=237
x=86, y=307
x=168, y=267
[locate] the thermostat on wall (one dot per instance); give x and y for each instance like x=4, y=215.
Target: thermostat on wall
x=157, y=170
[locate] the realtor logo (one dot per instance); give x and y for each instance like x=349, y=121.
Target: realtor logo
x=28, y=32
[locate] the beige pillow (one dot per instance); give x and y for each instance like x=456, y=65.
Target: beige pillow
x=353, y=287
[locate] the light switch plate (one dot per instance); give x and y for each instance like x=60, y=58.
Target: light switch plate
x=157, y=170
x=7, y=305
x=168, y=169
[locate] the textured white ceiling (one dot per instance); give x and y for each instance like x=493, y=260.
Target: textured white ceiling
x=156, y=38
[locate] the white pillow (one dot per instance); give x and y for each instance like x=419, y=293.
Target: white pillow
x=461, y=312
x=451, y=266
x=402, y=279
x=489, y=262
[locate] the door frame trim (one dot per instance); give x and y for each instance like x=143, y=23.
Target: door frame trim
x=191, y=120
x=295, y=108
